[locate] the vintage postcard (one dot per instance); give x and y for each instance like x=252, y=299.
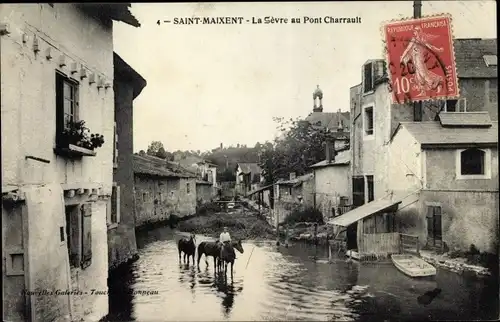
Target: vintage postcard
x=266, y=161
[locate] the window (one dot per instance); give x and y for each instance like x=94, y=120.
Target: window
x=115, y=148
x=144, y=196
x=368, y=77
x=369, y=183
x=490, y=60
x=358, y=191
x=66, y=103
x=188, y=188
x=473, y=163
x=114, y=206
x=368, y=121
x=455, y=105
x=79, y=232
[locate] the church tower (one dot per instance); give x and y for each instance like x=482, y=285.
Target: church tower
x=318, y=100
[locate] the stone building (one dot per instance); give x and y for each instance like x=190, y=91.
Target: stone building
x=204, y=192
x=122, y=246
x=57, y=70
x=247, y=173
x=374, y=121
x=456, y=161
x=296, y=193
x=331, y=184
x=334, y=121
x=162, y=190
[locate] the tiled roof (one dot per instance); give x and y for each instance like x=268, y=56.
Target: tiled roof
x=342, y=158
x=150, y=165
x=432, y=133
x=469, y=57
x=123, y=71
x=250, y=168
x=465, y=119
x=298, y=179
x=114, y=11
x=328, y=119
x=203, y=182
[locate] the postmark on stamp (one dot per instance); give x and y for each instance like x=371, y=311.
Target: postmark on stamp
x=421, y=59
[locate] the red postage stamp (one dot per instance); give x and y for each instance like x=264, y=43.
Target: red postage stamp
x=421, y=59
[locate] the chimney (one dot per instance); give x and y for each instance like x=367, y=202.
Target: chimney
x=292, y=175
x=221, y=146
x=340, y=125
x=330, y=151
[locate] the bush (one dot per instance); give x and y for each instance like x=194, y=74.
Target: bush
x=307, y=215
x=207, y=208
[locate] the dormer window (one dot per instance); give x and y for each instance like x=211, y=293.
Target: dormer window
x=368, y=84
x=459, y=105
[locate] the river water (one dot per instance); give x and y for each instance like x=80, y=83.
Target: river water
x=287, y=284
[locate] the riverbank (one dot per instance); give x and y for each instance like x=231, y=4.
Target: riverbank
x=457, y=265
x=304, y=232
x=243, y=223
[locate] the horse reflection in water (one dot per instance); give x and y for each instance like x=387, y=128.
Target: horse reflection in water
x=188, y=274
x=229, y=290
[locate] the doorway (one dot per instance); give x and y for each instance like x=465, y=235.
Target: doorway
x=434, y=227
x=352, y=236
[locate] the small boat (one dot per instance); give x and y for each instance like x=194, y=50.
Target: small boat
x=413, y=266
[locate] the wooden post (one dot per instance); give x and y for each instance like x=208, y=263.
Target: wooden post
x=417, y=106
x=316, y=240
x=286, y=236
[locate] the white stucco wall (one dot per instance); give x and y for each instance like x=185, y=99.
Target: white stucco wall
x=28, y=92
x=28, y=119
x=331, y=183
x=404, y=167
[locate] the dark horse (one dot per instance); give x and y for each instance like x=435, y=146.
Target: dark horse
x=227, y=255
x=188, y=247
x=209, y=249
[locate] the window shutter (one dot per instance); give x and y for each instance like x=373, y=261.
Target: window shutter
x=75, y=236
x=117, y=204
x=109, y=211
x=59, y=109
x=462, y=105
x=86, y=235
x=430, y=223
x=115, y=146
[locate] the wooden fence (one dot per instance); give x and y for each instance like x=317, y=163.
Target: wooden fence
x=342, y=210
x=379, y=244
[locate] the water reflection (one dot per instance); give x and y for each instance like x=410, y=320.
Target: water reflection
x=121, y=296
x=229, y=290
x=289, y=284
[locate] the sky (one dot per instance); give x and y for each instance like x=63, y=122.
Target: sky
x=213, y=84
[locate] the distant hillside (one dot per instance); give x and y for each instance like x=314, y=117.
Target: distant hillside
x=232, y=155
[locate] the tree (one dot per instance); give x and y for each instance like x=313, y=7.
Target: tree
x=300, y=146
x=157, y=149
